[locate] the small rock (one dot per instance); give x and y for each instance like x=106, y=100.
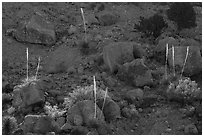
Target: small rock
x=106, y=18
x=78, y=120
x=72, y=29
x=66, y=127
x=60, y=98
x=98, y=37
x=51, y=133
x=123, y=103
x=91, y=19
x=191, y=130
x=60, y=121
x=36, y=30
x=134, y=95
x=11, y=110
x=140, y=110
x=126, y=112
x=80, y=70
x=110, y=81
x=28, y=94
x=54, y=92
x=71, y=70
x=79, y=130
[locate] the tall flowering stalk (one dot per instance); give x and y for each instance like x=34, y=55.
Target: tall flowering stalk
x=27, y=63
x=166, y=60
x=187, y=51
x=104, y=101
x=173, y=56
x=37, y=68
x=94, y=94
x=84, y=21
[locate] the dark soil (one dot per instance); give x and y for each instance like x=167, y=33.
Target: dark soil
x=156, y=116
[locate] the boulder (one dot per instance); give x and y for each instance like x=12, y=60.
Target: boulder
x=83, y=113
x=161, y=46
x=37, y=30
x=106, y=18
x=61, y=59
x=28, y=94
x=40, y=124
x=193, y=63
x=111, y=109
x=160, y=50
x=190, y=42
x=135, y=73
x=118, y=53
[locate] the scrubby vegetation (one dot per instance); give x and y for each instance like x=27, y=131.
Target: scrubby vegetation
x=183, y=14
x=151, y=27
x=184, y=89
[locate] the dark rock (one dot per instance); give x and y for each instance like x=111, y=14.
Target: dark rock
x=5, y=84
x=6, y=98
x=79, y=130
x=110, y=81
x=149, y=100
x=54, y=92
x=135, y=73
x=130, y=112
x=84, y=111
x=71, y=70
x=134, y=96
x=28, y=94
x=60, y=98
x=61, y=59
x=193, y=63
x=66, y=127
x=72, y=30
x=40, y=124
x=103, y=129
x=106, y=18
x=37, y=30
x=91, y=19
x=160, y=50
x=60, y=121
x=80, y=70
x=191, y=130
x=190, y=42
x=111, y=110
x=118, y=53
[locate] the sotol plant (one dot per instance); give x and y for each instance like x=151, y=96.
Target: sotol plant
x=9, y=125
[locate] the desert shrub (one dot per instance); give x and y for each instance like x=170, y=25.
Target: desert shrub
x=152, y=26
x=83, y=93
x=9, y=125
x=184, y=90
x=53, y=111
x=183, y=14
